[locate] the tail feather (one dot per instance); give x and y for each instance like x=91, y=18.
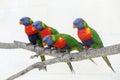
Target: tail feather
x=43, y=59
x=70, y=66
x=108, y=62
x=92, y=60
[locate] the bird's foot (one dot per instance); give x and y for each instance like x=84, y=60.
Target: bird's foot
x=63, y=51
x=89, y=50
x=51, y=49
x=29, y=44
x=33, y=56
x=68, y=55
x=36, y=45
x=46, y=48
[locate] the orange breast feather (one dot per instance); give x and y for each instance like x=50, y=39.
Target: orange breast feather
x=45, y=32
x=60, y=43
x=84, y=34
x=29, y=30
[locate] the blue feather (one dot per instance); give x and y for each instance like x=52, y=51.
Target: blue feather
x=33, y=38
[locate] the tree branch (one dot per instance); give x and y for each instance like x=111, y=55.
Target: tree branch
x=38, y=65
x=61, y=57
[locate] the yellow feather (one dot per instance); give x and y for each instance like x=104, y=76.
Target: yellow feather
x=88, y=31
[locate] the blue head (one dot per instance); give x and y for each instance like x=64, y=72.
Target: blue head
x=38, y=25
x=26, y=21
x=78, y=23
x=48, y=40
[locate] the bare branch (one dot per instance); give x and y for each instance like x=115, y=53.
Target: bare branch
x=38, y=65
x=8, y=45
x=61, y=57
x=110, y=50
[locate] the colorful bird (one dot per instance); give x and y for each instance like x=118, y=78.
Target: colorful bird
x=33, y=35
x=63, y=42
x=43, y=29
x=89, y=37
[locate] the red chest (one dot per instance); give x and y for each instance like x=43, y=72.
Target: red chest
x=29, y=30
x=45, y=32
x=84, y=34
x=60, y=43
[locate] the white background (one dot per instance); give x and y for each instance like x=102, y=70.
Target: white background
x=102, y=15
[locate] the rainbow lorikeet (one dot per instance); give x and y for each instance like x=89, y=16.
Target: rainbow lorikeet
x=43, y=29
x=33, y=35
x=63, y=42
x=89, y=37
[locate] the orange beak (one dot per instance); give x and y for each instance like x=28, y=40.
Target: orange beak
x=20, y=22
x=74, y=26
x=44, y=44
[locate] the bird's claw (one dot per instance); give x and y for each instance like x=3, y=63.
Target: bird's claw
x=46, y=48
x=88, y=51
x=36, y=45
x=31, y=57
x=62, y=51
x=52, y=49
x=28, y=44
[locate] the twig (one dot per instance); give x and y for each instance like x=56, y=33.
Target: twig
x=38, y=65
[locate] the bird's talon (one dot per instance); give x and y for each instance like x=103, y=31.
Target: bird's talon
x=46, y=48
x=52, y=50
x=28, y=44
x=31, y=57
x=88, y=51
x=36, y=45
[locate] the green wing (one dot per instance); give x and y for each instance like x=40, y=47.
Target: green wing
x=40, y=40
x=97, y=42
x=54, y=31
x=72, y=42
x=44, y=25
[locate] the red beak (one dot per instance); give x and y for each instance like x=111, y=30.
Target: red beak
x=20, y=22
x=74, y=26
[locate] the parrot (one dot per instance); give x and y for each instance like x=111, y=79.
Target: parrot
x=89, y=37
x=43, y=29
x=33, y=34
x=63, y=42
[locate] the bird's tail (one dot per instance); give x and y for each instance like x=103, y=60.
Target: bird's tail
x=92, y=60
x=108, y=62
x=71, y=67
x=43, y=59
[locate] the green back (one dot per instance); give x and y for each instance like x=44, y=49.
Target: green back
x=54, y=31
x=44, y=25
x=96, y=39
x=97, y=42
x=55, y=37
x=72, y=42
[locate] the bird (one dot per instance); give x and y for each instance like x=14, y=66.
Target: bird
x=64, y=42
x=32, y=33
x=43, y=29
x=89, y=37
